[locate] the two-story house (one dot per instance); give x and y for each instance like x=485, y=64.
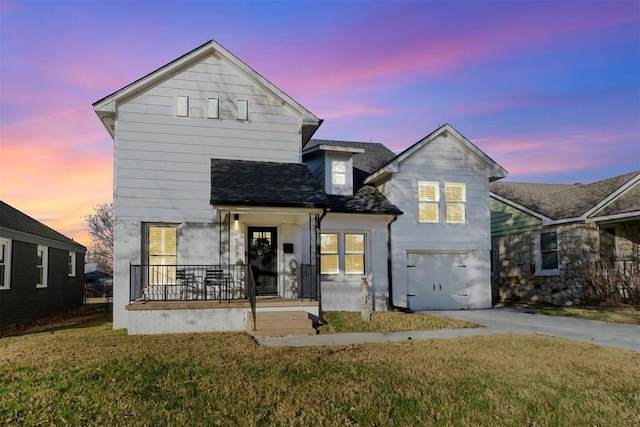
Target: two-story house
x=226, y=207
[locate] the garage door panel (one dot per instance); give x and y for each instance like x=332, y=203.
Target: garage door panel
x=437, y=280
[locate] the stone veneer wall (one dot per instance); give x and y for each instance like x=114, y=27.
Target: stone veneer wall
x=514, y=265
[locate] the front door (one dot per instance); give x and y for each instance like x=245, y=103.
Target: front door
x=263, y=259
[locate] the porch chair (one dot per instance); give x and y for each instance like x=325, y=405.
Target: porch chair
x=189, y=286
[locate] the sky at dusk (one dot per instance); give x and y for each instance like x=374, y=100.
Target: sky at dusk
x=548, y=89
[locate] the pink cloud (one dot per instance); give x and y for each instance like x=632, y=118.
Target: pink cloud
x=55, y=168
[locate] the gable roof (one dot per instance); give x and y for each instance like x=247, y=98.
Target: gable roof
x=251, y=183
x=13, y=219
x=105, y=108
x=615, y=196
x=391, y=166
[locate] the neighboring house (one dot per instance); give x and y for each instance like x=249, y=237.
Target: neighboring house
x=550, y=240
x=224, y=206
x=41, y=271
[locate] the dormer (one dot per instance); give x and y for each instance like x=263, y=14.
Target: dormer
x=333, y=166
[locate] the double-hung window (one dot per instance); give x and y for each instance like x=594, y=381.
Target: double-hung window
x=547, y=253
x=42, y=260
x=5, y=263
x=329, y=254
x=338, y=172
x=455, y=196
x=342, y=253
x=428, y=201
x=161, y=254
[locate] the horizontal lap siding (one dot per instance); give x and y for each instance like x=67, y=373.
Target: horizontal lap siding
x=23, y=302
x=506, y=219
x=163, y=162
x=443, y=161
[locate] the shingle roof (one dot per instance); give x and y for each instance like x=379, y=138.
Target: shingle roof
x=249, y=183
x=366, y=200
x=374, y=157
x=561, y=201
x=12, y=218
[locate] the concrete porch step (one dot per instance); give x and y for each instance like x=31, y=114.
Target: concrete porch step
x=280, y=323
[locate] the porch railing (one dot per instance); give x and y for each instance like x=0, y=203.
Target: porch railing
x=308, y=287
x=190, y=282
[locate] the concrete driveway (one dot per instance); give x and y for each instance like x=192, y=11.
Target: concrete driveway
x=495, y=321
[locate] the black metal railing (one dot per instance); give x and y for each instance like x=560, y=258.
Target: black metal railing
x=308, y=287
x=189, y=282
x=251, y=294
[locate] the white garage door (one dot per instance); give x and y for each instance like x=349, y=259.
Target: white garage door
x=437, y=281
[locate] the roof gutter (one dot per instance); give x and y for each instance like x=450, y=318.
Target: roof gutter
x=389, y=272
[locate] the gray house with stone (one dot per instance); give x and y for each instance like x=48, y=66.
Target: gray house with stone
x=41, y=270
x=551, y=242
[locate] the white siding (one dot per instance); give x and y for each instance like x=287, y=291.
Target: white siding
x=162, y=162
x=342, y=292
x=442, y=160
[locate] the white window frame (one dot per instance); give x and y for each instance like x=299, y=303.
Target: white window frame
x=44, y=266
x=72, y=264
x=168, y=274
x=341, y=268
x=213, y=113
x=5, y=261
x=335, y=173
x=423, y=202
x=337, y=254
x=182, y=106
x=540, y=271
x=459, y=203
x=242, y=110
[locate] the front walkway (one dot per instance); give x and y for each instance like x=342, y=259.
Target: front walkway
x=495, y=321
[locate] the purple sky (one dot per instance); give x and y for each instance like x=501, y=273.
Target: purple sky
x=548, y=89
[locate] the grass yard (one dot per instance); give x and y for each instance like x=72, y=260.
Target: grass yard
x=387, y=321
x=91, y=375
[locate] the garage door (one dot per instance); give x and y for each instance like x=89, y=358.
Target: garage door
x=437, y=281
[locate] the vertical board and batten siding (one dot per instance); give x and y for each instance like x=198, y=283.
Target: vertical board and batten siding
x=162, y=162
x=506, y=219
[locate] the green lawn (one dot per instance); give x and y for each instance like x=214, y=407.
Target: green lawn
x=91, y=375
x=387, y=321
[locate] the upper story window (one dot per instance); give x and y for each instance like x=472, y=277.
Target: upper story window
x=213, y=108
x=5, y=263
x=72, y=264
x=339, y=172
x=182, y=106
x=242, y=108
x=547, y=254
x=455, y=195
x=42, y=259
x=428, y=201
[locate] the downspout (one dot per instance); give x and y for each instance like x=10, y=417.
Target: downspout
x=389, y=272
x=318, y=276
